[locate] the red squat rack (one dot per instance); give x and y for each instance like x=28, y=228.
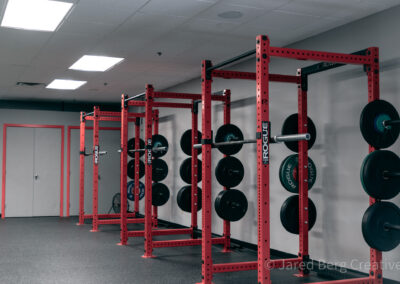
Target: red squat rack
x=149, y=104
x=369, y=58
x=100, y=219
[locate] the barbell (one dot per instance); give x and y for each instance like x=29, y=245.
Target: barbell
x=159, y=146
x=234, y=142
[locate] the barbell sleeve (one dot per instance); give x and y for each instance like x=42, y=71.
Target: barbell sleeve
x=197, y=146
x=291, y=137
x=392, y=227
x=387, y=123
x=246, y=141
x=391, y=174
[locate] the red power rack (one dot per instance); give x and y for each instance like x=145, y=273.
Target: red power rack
x=369, y=59
x=99, y=219
x=149, y=104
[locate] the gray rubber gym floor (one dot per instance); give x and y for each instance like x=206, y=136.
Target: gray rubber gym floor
x=52, y=250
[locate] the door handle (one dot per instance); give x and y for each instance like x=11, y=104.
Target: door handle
x=36, y=176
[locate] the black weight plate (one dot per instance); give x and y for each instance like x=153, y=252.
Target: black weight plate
x=231, y=205
x=131, y=169
x=290, y=126
x=229, y=171
x=159, y=141
x=374, y=229
x=131, y=192
x=290, y=214
x=226, y=133
x=289, y=173
x=184, y=198
x=160, y=194
x=372, y=176
x=185, y=170
x=186, y=142
x=131, y=146
x=371, y=124
x=116, y=203
x=160, y=170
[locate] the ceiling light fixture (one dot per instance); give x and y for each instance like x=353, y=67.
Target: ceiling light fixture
x=62, y=84
x=95, y=63
x=39, y=15
x=231, y=15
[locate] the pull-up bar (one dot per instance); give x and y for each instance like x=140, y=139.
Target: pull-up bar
x=231, y=60
x=135, y=97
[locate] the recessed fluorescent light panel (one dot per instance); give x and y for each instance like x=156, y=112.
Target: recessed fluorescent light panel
x=65, y=84
x=95, y=63
x=38, y=15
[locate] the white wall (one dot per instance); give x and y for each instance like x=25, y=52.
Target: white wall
x=336, y=99
x=108, y=171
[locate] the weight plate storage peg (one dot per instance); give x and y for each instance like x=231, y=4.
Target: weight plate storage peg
x=116, y=203
x=231, y=205
x=184, y=198
x=229, y=172
x=290, y=214
x=160, y=170
x=289, y=173
x=226, y=133
x=131, y=146
x=379, y=124
x=185, y=170
x=159, y=194
x=131, y=190
x=159, y=141
x=381, y=226
x=290, y=126
x=131, y=169
x=380, y=174
x=186, y=142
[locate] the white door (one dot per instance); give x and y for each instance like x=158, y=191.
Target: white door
x=47, y=163
x=19, y=172
x=33, y=172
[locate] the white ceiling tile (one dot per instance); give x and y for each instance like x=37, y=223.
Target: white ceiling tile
x=105, y=11
x=83, y=27
x=208, y=26
x=64, y=49
x=186, y=8
x=20, y=46
x=10, y=74
x=266, y=5
x=248, y=12
x=282, y=20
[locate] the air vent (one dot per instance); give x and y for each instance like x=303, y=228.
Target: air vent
x=30, y=84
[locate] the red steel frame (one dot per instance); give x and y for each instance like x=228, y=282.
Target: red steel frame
x=69, y=129
x=4, y=164
x=149, y=231
x=100, y=219
x=262, y=76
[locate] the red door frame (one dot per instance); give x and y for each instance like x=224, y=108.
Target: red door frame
x=3, y=189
